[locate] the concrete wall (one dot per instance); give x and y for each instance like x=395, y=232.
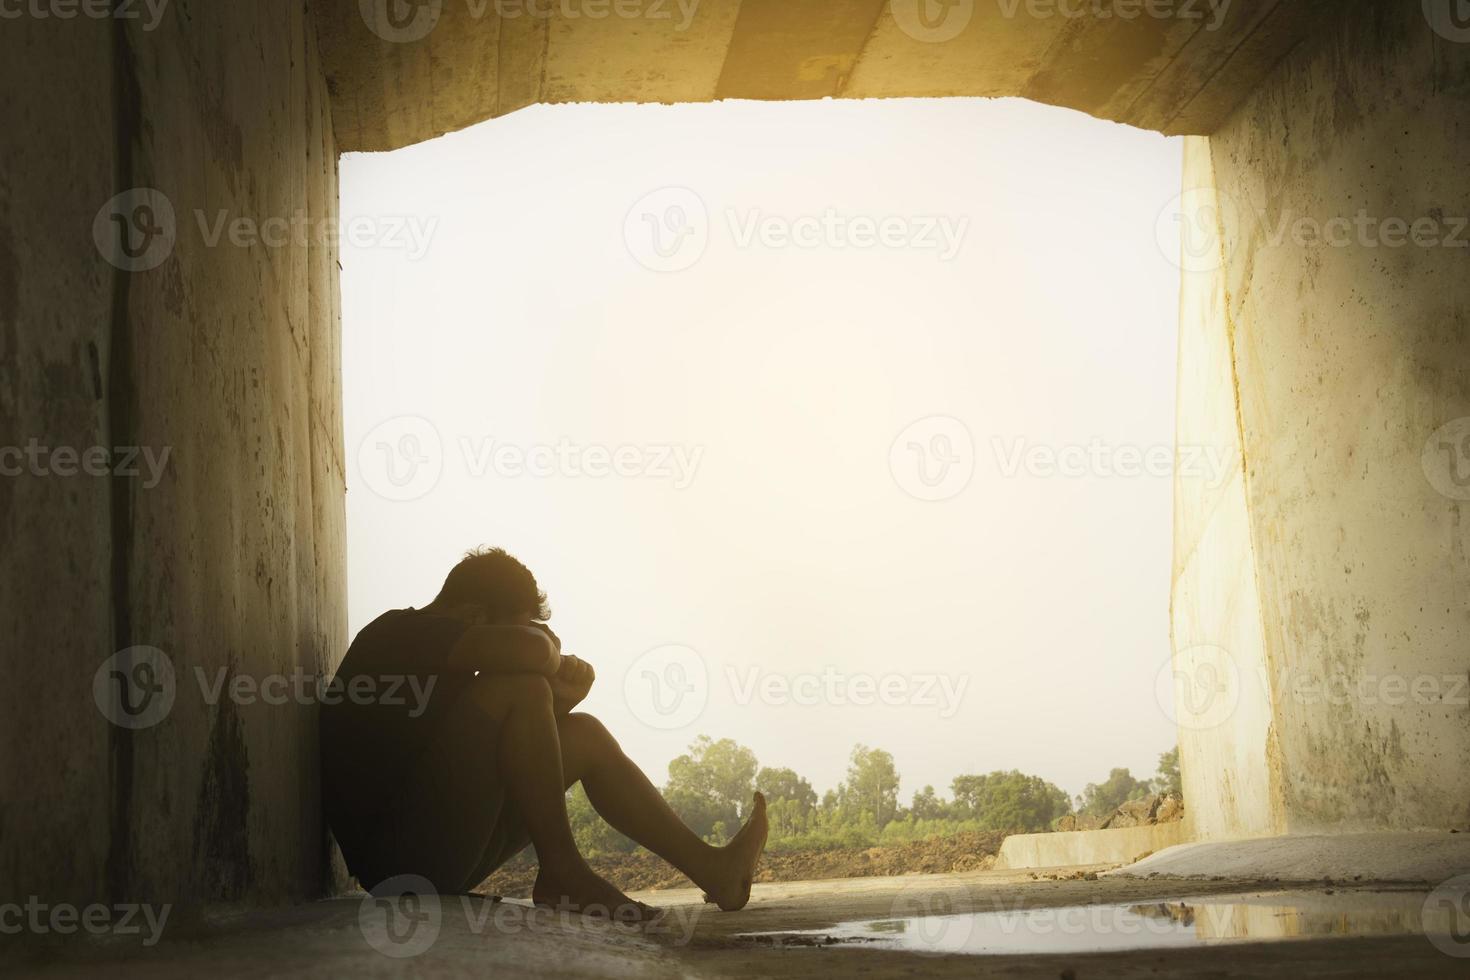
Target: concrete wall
x=226, y=356
x=1219, y=645
x=1331, y=365
x=1080, y=848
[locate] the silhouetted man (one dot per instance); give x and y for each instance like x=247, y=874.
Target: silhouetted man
x=451, y=780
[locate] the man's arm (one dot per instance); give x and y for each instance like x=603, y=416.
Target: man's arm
x=505, y=650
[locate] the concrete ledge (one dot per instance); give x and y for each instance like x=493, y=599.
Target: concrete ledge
x=1123, y=845
x=1418, y=858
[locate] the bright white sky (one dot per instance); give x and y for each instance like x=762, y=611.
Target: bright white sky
x=498, y=297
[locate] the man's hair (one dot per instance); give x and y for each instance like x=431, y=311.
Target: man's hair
x=490, y=578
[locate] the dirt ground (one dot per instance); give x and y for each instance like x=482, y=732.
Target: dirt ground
x=643, y=871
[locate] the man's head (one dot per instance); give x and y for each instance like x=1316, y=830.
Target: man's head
x=489, y=579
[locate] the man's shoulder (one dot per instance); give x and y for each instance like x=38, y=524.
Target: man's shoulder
x=407, y=630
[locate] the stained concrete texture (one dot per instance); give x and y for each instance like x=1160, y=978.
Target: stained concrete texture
x=203, y=365
x=474, y=937
x=1425, y=858
x=1319, y=610
x=404, y=73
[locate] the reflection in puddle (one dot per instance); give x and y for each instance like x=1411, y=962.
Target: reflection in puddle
x=1104, y=928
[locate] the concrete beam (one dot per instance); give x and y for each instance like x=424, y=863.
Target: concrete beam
x=402, y=72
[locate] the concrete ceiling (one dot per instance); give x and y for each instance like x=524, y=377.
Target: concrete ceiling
x=402, y=71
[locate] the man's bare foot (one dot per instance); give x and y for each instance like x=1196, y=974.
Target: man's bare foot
x=582, y=890
x=730, y=889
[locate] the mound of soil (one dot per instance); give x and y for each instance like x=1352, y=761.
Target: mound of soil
x=642, y=870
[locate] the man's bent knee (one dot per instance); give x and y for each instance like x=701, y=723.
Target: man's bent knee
x=588, y=730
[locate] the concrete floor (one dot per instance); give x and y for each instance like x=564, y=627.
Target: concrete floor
x=477, y=937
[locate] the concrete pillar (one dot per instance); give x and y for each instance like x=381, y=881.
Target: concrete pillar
x=203, y=362
x=1325, y=343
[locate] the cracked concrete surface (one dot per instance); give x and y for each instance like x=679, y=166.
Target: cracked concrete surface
x=478, y=937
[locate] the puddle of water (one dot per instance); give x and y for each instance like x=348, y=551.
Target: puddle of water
x=1179, y=923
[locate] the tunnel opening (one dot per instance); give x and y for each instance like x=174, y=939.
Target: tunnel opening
x=1322, y=348
x=806, y=444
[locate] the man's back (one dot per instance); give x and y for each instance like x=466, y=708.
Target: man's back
x=381, y=711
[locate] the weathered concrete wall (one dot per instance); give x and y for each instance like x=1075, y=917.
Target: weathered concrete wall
x=224, y=354
x=1075, y=848
x=1348, y=348
x=1219, y=646
x=404, y=72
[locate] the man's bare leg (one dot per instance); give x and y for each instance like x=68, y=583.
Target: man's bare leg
x=529, y=759
x=633, y=806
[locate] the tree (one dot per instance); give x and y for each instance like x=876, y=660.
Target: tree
x=711, y=785
x=1169, y=781
x=785, y=784
x=790, y=800
x=927, y=805
x=1100, y=800
x=592, y=833
x=872, y=784
x=1011, y=801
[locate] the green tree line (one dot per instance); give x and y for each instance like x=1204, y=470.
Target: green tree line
x=711, y=785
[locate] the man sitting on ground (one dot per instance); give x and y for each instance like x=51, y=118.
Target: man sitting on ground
x=451, y=788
